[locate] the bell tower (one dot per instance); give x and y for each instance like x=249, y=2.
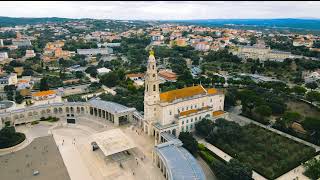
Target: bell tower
x=151, y=92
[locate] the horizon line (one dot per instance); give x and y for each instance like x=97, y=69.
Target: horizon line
x=302, y=18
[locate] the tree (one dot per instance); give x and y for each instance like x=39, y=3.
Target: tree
x=19, y=98
x=313, y=168
x=189, y=142
x=9, y=137
x=92, y=70
x=313, y=126
x=94, y=86
x=234, y=169
x=299, y=90
x=263, y=110
x=79, y=74
x=44, y=86
x=27, y=72
x=312, y=85
x=204, y=127
x=313, y=96
x=289, y=117
x=110, y=80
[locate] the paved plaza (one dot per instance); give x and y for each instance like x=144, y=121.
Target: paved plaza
x=40, y=155
x=72, y=156
x=74, y=143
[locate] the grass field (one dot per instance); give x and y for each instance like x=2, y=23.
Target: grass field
x=303, y=108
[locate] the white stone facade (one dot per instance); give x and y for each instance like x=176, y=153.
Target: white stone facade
x=179, y=114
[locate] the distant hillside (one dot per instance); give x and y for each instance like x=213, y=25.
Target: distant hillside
x=9, y=21
x=288, y=23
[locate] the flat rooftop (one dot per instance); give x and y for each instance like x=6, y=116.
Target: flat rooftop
x=112, y=141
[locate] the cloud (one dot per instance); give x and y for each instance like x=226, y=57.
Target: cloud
x=160, y=10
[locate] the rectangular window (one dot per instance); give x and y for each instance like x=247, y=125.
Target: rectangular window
x=187, y=107
x=182, y=121
x=170, y=113
x=191, y=126
x=187, y=121
x=191, y=119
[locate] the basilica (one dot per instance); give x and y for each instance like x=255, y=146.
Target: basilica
x=177, y=110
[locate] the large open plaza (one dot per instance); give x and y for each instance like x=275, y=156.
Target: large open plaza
x=78, y=161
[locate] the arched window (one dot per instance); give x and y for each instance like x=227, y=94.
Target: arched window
x=153, y=67
x=154, y=87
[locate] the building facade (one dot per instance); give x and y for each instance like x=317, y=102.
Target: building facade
x=177, y=110
x=94, y=109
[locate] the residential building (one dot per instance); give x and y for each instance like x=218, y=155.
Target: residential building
x=6, y=79
x=168, y=75
x=103, y=70
x=21, y=42
x=30, y=54
x=44, y=95
x=3, y=56
x=202, y=46
x=93, y=52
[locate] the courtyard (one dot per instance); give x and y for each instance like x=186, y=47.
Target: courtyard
x=80, y=162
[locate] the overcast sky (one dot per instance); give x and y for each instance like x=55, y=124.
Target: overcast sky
x=161, y=10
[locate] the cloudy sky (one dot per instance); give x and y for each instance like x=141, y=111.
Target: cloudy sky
x=161, y=10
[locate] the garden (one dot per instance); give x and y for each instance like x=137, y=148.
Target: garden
x=9, y=137
x=268, y=153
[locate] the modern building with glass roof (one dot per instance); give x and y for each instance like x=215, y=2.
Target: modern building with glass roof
x=175, y=162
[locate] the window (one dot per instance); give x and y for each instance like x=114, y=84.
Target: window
x=182, y=109
x=187, y=120
x=170, y=113
x=191, y=126
x=202, y=104
x=154, y=75
x=187, y=108
x=191, y=119
x=210, y=100
x=182, y=121
x=196, y=118
x=153, y=67
x=191, y=107
x=154, y=87
x=195, y=106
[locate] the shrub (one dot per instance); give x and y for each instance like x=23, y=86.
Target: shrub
x=9, y=137
x=34, y=122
